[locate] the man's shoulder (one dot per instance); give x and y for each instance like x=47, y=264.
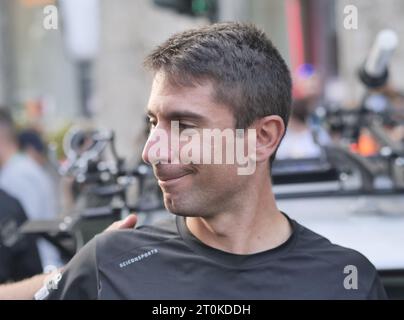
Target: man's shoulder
x=116, y=243
x=324, y=251
x=21, y=169
x=80, y=279
x=11, y=207
x=338, y=267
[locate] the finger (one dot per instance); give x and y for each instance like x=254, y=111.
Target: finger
x=128, y=222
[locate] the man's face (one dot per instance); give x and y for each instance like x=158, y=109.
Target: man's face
x=190, y=189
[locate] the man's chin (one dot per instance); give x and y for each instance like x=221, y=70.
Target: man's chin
x=179, y=208
x=173, y=205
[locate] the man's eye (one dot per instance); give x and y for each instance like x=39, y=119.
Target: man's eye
x=184, y=126
x=152, y=125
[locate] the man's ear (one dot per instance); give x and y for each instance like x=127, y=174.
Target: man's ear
x=269, y=131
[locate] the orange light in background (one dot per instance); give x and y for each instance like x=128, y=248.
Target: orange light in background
x=33, y=110
x=36, y=3
x=366, y=145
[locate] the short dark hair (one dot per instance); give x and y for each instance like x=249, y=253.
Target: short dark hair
x=248, y=72
x=31, y=138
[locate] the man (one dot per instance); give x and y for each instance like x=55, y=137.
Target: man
x=228, y=240
x=24, y=179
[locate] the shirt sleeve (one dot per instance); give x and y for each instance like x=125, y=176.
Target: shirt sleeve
x=79, y=279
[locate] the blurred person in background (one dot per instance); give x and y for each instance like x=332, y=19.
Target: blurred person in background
x=300, y=140
x=27, y=181
x=26, y=289
x=31, y=144
x=19, y=257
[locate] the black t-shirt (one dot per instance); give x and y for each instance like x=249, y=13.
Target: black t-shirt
x=19, y=256
x=166, y=261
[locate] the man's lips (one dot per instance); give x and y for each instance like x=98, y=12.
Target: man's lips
x=167, y=182
x=170, y=177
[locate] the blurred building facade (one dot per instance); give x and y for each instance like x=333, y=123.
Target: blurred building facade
x=6, y=75
x=35, y=65
x=37, y=76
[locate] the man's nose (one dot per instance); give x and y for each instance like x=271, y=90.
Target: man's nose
x=157, y=147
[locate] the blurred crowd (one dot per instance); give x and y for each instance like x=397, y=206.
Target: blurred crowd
x=29, y=189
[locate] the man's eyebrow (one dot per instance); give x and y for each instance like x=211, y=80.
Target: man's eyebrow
x=173, y=115
x=184, y=115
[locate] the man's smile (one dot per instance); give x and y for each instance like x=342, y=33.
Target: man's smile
x=168, y=177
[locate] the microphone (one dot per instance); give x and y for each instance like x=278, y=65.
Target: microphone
x=374, y=72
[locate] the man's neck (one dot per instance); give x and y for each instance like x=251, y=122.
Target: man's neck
x=255, y=226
